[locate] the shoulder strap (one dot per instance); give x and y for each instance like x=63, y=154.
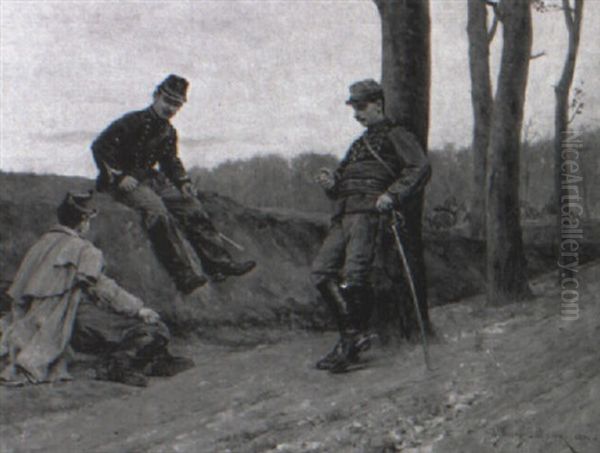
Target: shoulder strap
x=378, y=157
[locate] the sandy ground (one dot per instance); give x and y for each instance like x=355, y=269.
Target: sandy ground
x=510, y=379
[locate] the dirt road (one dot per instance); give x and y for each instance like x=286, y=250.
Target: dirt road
x=514, y=379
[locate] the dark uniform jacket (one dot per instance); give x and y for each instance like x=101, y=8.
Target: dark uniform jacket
x=132, y=145
x=361, y=177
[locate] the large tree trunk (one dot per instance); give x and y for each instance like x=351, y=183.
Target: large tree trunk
x=405, y=76
x=563, y=142
x=506, y=265
x=481, y=100
x=405, y=27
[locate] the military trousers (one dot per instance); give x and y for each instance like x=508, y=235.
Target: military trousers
x=169, y=217
x=347, y=253
x=104, y=332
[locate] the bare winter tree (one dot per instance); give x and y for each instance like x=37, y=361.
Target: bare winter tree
x=506, y=265
x=573, y=14
x=405, y=27
x=481, y=100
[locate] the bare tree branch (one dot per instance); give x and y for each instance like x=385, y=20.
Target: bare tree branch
x=538, y=55
x=492, y=31
x=573, y=116
x=568, y=13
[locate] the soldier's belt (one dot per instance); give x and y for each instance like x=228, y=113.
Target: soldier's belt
x=362, y=186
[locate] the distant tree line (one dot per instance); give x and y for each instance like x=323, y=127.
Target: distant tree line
x=270, y=181
x=275, y=182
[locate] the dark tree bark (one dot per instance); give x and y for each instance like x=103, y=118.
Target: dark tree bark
x=405, y=28
x=506, y=265
x=573, y=18
x=481, y=100
x=405, y=75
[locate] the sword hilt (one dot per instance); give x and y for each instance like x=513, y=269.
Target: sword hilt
x=398, y=219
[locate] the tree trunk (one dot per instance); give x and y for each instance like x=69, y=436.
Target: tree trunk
x=405, y=27
x=562, y=133
x=405, y=75
x=506, y=265
x=481, y=100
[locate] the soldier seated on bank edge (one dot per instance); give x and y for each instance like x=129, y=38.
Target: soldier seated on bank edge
x=126, y=154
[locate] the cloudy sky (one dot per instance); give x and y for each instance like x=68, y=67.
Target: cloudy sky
x=266, y=76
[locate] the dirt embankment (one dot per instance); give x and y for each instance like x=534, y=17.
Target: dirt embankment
x=277, y=294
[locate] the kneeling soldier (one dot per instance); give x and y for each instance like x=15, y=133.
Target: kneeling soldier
x=61, y=298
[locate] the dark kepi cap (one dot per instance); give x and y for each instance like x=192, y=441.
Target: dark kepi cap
x=174, y=87
x=367, y=90
x=78, y=204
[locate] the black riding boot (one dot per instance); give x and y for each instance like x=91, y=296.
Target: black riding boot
x=171, y=252
x=344, y=352
x=360, y=299
x=119, y=368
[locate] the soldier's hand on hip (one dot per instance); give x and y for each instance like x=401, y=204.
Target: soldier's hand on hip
x=384, y=202
x=148, y=315
x=128, y=183
x=326, y=178
x=188, y=190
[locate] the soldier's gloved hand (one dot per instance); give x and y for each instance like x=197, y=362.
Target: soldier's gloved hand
x=148, y=315
x=326, y=178
x=384, y=202
x=188, y=190
x=128, y=183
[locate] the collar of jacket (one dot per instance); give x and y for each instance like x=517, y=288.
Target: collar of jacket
x=153, y=116
x=385, y=123
x=64, y=229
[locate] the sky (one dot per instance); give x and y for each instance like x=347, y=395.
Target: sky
x=265, y=76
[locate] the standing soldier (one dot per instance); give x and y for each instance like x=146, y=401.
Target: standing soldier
x=126, y=153
x=383, y=170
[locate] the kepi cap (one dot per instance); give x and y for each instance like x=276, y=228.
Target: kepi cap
x=174, y=87
x=78, y=204
x=367, y=90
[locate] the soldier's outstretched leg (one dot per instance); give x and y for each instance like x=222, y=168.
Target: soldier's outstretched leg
x=203, y=235
x=170, y=250
x=165, y=237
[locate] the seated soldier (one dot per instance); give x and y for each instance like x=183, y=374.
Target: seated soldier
x=61, y=299
x=126, y=154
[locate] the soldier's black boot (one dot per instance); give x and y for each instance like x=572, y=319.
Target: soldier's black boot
x=170, y=250
x=348, y=353
x=119, y=369
x=329, y=359
x=210, y=247
x=188, y=283
x=166, y=364
x=344, y=353
x=355, y=335
x=360, y=299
